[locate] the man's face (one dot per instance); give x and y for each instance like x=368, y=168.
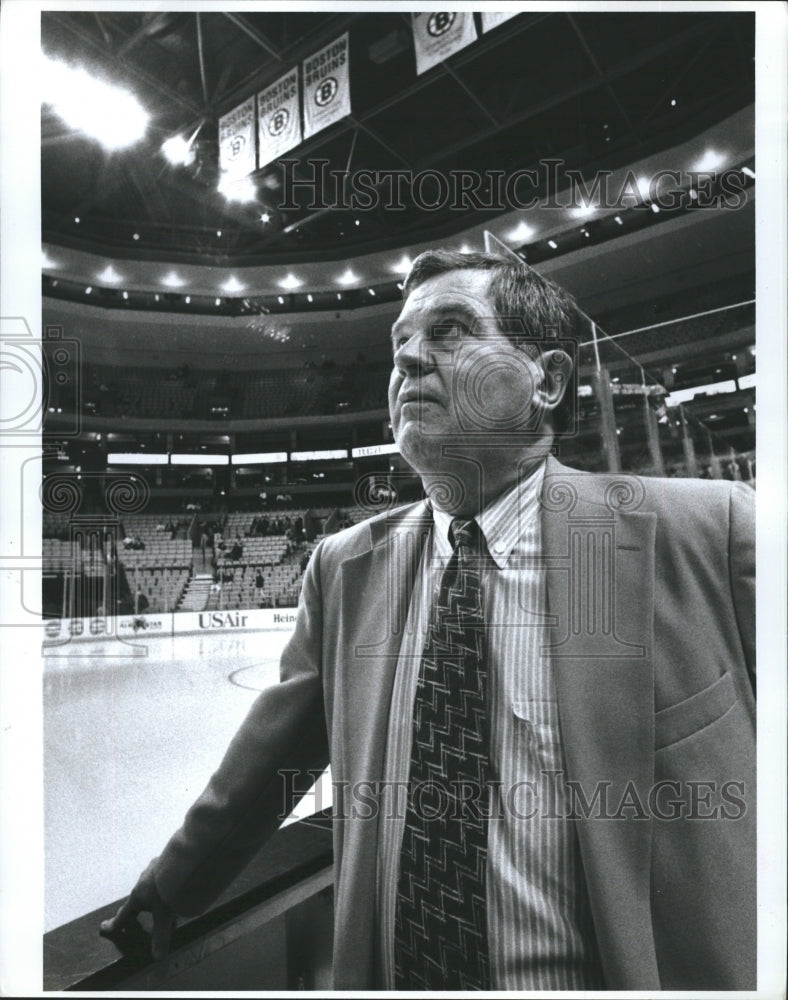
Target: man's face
x=457, y=379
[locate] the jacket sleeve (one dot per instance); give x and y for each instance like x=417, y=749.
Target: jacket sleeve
x=245, y=800
x=742, y=568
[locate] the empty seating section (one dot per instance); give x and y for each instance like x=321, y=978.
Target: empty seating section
x=156, y=392
x=238, y=586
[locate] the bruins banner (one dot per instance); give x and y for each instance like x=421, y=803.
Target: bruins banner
x=326, y=82
x=492, y=18
x=278, y=118
x=437, y=36
x=236, y=141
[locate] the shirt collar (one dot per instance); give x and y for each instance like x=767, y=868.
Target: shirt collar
x=504, y=521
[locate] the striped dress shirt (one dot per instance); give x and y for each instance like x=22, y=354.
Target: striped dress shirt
x=539, y=924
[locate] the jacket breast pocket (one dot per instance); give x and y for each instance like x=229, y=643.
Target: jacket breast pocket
x=695, y=713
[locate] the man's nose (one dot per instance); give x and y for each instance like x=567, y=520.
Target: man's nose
x=412, y=356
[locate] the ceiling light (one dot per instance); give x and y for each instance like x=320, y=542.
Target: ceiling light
x=348, y=278
x=100, y=110
x=218, y=232
x=339, y=296
x=172, y=280
x=465, y=248
x=178, y=151
x=188, y=300
x=520, y=233
x=237, y=188
x=281, y=301
x=156, y=296
x=710, y=160
x=89, y=289
x=403, y=266
x=265, y=217
x=356, y=222
x=748, y=173
x=553, y=244
x=125, y=295
x=109, y=275
x=673, y=103
x=654, y=208
x=371, y=291
x=583, y=211
x=290, y=281
x=619, y=220
x=233, y=285
x=309, y=298
x=76, y=219
x=46, y=261
x=218, y=302
x=135, y=236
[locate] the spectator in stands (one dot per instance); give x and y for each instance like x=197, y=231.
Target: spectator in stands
x=203, y=541
x=141, y=603
x=237, y=550
x=259, y=586
x=599, y=676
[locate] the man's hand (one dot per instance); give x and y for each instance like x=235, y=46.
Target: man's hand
x=144, y=898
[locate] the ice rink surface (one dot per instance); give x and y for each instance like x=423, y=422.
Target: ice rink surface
x=129, y=742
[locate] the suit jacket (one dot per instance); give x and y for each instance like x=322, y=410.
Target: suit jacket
x=651, y=595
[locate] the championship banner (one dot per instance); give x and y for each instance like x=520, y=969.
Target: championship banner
x=278, y=118
x=236, y=141
x=438, y=36
x=492, y=18
x=326, y=86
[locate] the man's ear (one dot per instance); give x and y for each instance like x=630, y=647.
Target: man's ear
x=556, y=369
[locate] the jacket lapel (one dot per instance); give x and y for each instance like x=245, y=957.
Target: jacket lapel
x=376, y=590
x=600, y=584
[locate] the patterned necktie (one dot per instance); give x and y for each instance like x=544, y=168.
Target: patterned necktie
x=440, y=932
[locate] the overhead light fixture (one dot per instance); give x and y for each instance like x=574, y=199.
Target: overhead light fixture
x=290, y=281
x=109, y=275
x=173, y=280
x=218, y=232
x=125, y=295
x=77, y=219
x=178, y=151
x=188, y=300
x=710, y=160
x=403, y=266
x=348, y=278
x=233, y=285
x=655, y=208
x=281, y=300
x=265, y=217
x=673, y=103
x=371, y=291
x=218, y=302
x=309, y=297
x=748, y=173
x=552, y=244
x=583, y=211
x=520, y=233
x=619, y=221
x=135, y=236
x=89, y=289
x=237, y=188
x=109, y=114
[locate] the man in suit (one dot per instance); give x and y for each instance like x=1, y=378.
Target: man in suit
x=617, y=807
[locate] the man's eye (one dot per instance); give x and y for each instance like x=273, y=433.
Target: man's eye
x=447, y=331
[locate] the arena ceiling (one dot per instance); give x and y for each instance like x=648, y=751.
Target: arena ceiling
x=597, y=90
